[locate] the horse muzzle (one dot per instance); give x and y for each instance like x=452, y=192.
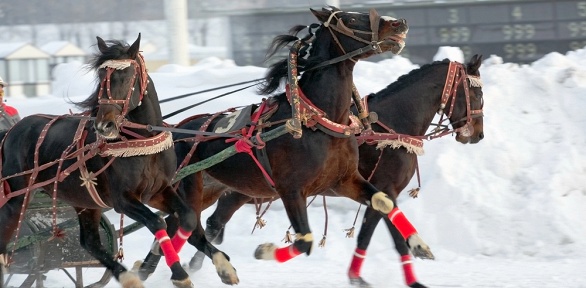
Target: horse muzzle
x=107, y=129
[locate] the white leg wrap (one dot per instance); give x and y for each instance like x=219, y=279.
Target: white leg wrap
x=382, y=203
x=130, y=280
x=265, y=251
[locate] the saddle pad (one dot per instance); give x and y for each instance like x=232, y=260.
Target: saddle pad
x=234, y=121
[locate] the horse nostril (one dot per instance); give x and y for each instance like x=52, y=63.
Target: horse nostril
x=397, y=23
x=481, y=135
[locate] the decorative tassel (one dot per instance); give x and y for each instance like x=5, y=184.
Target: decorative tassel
x=322, y=242
x=288, y=238
x=349, y=232
x=120, y=255
x=260, y=223
x=414, y=193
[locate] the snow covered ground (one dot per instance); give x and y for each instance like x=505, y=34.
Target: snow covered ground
x=507, y=212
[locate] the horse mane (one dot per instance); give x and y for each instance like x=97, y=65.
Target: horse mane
x=402, y=80
x=279, y=70
x=116, y=50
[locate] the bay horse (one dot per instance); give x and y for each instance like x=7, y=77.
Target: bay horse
x=112, y=161
x=325, y=156
x=389, y=165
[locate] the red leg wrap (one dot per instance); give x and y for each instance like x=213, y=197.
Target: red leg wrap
x=408, y=269
x=286, y=253
x=400, y=221
x=180, y=238
x=170, y=254
x=356, y=264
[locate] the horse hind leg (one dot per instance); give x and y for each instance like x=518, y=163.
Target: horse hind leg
x=89, y=238
x=227, y=205
x=369, y=223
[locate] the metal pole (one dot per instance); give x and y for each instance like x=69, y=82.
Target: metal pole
x=176, y=18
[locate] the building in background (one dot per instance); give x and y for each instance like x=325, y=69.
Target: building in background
x=25, y=69
x=519, y=31
x=63, y=52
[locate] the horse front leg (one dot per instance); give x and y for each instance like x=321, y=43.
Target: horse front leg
x=9, y=217
x=140, y=213
x=295, y=205
x=369, y=223
x=192, y=196
x=406, y=261
x=383, y=203
x=89, y=238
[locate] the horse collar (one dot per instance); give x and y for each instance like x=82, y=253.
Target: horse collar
x=311, y=116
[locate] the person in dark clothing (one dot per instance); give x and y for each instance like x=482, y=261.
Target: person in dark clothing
x=8, y=114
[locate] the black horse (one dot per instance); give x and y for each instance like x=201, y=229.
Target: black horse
x=120, y=165
x=325, y=156
x=391, y=164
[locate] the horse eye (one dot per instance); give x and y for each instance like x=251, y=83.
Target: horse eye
x=352, y=20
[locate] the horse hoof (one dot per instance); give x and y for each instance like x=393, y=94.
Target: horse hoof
x=417, y=285
x=196, y=262
x=359, y=282
x=225, y=270
x=265, y=251
x=129, y=280
x=185, y=283
x=419, y=248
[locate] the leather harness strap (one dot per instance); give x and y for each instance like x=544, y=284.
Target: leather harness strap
x=311, y=116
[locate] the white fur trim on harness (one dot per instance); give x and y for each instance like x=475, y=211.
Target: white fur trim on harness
x=116, y=64
x=475, y=81
x=398, y=144
x=146, y=149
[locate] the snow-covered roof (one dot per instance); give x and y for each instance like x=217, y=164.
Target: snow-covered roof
x=9, y=48
x=20, y=50
x=62, y=48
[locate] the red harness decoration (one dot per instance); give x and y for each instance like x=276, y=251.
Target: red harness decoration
x=244, y=145
x=310, y=115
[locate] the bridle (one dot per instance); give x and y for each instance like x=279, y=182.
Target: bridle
x=340, y=27
x=457, y=75
x=123, y=105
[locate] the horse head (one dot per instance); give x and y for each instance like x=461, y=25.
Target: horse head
x=466, y=105
x=363, y=33
x=123, y=84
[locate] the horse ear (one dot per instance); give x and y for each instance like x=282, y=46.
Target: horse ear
x=475, y=63
x=133, y=50
x=102, y=46
x=322, y=16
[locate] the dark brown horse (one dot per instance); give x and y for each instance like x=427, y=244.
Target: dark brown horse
x=325, y=156
x=390, y=168
x=115, y=162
